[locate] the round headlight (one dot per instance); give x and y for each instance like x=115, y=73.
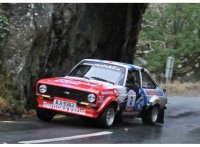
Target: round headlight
x=91, y=98
x=42, y=88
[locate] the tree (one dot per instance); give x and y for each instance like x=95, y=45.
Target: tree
x=172, y=30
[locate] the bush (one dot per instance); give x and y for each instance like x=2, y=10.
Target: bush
x=9, y=106
x=3, y=105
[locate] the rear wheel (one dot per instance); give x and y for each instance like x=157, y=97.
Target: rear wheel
x=45, y=114
x=150, y=116
x=107, y=118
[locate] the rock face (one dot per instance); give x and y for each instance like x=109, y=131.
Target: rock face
x=48, y=39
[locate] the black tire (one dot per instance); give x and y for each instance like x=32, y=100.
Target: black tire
x=150, y=116
x=107, y=118
x=45, y=114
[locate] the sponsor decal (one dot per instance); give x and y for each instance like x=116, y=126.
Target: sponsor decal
x=108, y=66
x=73, y=81
x=67, y=81
x=160, y=93
x=154, y=92
x=151, y=92
x=139, y=104
x=64, y=106
x=144, y=95
x=107, y=92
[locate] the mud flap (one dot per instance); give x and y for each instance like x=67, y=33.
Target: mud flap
x=161, y=116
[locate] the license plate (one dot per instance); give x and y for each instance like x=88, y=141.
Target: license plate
x=65, y=104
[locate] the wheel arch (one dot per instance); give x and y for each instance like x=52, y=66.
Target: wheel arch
x=109, y=101
x=155, y=101
x=115, y=104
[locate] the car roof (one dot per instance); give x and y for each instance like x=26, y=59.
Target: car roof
x=126, y=65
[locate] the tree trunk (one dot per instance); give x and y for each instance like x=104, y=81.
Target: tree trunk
x=48, y=39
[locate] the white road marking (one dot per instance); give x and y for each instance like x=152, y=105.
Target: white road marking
x=66, y=138
x=7, y=121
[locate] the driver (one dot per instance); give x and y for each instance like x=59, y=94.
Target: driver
x=131, y=84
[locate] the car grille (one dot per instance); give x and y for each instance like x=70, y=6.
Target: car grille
x=63, y=92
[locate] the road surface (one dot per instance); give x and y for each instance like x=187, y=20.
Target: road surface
x=182, y=125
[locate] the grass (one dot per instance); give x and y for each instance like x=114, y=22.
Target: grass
x=182, y=89
x=3, y=105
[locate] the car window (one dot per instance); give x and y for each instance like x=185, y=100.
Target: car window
x=100, y=71
x=133, y=77
x=147, y=82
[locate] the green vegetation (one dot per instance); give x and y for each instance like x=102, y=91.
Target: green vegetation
x=171, y=30
x=10, y=107
x=4, y=23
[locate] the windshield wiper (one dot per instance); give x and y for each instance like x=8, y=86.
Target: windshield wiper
x=81, y=76
x=100, y=79
x=86, y=77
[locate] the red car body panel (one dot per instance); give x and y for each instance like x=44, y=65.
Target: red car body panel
x=105, y=95
x=74, y=83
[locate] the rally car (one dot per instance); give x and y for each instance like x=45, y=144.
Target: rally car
x=105, y=91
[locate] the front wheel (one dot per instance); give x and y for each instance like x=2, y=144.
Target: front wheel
x=107, y=118
x=45, y=114
x=150, y=116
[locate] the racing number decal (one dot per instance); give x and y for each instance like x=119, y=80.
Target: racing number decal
x=131, y=99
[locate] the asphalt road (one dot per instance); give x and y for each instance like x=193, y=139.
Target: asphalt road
x=182, y=126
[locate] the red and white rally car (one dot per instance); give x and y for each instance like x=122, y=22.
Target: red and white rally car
x=104, y=90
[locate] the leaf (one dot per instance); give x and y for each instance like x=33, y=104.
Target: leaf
x=177, y=26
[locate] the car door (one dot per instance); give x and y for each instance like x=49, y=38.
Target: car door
x=149, y=86
x=133, y=89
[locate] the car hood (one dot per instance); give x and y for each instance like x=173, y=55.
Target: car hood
x=82, y=84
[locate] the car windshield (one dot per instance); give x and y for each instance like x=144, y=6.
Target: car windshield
x=100, y=71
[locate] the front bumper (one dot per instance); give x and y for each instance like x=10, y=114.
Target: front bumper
x=68, y=106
